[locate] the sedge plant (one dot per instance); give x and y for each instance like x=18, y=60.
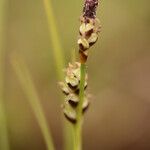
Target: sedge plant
x=75, y=84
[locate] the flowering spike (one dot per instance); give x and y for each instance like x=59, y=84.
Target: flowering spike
x=89, y=28
x=71, y=90
x=88, y=35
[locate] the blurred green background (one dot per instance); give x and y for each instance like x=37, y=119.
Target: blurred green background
x=118, y=67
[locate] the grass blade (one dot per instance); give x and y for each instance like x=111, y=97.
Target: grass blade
x=56, y=44
x=4, y=141
x=59, y=62
x=25, y=79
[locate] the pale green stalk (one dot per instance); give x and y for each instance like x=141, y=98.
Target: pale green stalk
x=59, y=62
x=4, y=141
x=29, y=89
x=56, y=44
x=78, y=125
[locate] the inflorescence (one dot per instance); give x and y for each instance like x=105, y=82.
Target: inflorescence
x=89, y=29
x=70, y=88
x=88, y=35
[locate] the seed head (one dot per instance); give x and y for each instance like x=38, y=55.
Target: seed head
x=70, y=87
x=89, y=29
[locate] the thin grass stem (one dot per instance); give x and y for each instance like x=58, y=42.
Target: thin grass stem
x=59, y=62
x=56, y=44
x=25, y=79
x=78, y=125
x=4, y=140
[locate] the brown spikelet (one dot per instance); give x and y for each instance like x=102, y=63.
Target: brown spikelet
x=89, y=10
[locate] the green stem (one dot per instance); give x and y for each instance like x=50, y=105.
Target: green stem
x=78, y=125
x=59, y=62
x=4, y=140
x=28, y=87
x=56, y=44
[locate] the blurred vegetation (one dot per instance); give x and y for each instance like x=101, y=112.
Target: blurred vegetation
x=118, y=73
x=25, y=79
x=4, y=140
